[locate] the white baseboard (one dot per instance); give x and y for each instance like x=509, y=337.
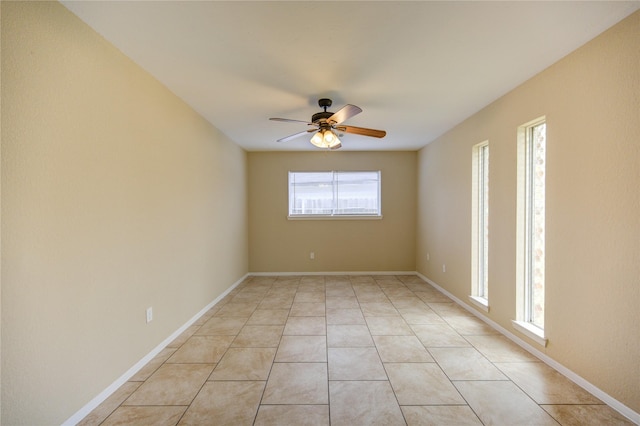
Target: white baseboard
x=287, y=274
x=578, y=380
x=91, y=405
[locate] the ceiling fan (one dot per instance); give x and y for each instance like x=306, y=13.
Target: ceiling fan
x=325, y=124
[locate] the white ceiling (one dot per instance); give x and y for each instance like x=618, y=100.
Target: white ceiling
x=415, y=68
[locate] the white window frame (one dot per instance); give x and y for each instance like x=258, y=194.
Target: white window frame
x=525, y=200
x=334, y=190
x=479, y=215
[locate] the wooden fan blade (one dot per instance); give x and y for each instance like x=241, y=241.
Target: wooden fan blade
x=344, y=114
x=296, y=135
x=288, y=120
x=362, y=131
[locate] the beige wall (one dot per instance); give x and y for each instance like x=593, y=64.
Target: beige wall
x=116, y=196
x=591, y=100
x=278, y=244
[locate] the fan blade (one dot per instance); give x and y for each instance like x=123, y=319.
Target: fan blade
x=296, y=135
x=362, y=131
x=288, y=120
x=344, y=114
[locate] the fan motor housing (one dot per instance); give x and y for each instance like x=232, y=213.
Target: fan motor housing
x=320, y=115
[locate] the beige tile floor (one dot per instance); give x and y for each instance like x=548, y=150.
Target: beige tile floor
x=346, y=350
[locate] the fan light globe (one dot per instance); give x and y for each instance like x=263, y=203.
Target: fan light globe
x=335, y=144
x=317, y=140
x=326, y=139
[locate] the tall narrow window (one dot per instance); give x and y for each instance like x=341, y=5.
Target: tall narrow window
x=480, y=225
x=534, y=232
x=531, y=223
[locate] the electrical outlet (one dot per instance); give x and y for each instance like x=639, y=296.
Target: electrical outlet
x=149, y=314
x=312, y=255
x=444, y=268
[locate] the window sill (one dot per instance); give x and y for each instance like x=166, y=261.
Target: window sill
x=336, y=217
x=480, y=302
x=531, y=331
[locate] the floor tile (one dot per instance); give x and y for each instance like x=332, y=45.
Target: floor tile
x=465, y=364
x=342, y=302
x=288, y=280
x=440, y=415
x=312, y=279
x=261, y=280
x=396, y=292
x=276, y=302
x=502, y=403
x=421, y=384
x=401, y=349
x=309, y=296
x=228, y=402
x=297, y=383
x=348, y=336
x=258, y=336
x=372, y=297
x=306, y=326
x=171, y=384
x=244, y=364
x=222, y=326
x=160, y=416
x=340, y=292
x=344, y=316
x=361, y=279
x=307, y=309
x=447, y=308
x=586, y=415
x=498, y=348
x=107, y=407
x=469, y=326
x=408, y=302
x=299, y=415
x=388, y=326
x=386, y=280
x=268, y=317
x=201, y=349
x=145, y=372
x=247, y=298
x=545, y=385
x=337, y=279
x=204, y=318
x=355, y=364
x=286, y=287
x=378, y=309
x=438, y=335
x=411, y=279
x=363, y=403
x=414, y=315
x=183, y=337
x=415, y=283
x=302, y=349
x=242, y=309
x=432, y=296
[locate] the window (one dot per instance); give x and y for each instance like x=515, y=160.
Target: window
x=480, y=225
x=531, y=225
x=334, y=194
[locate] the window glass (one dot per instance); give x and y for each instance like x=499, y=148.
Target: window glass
x=334, y=193
x=535, y=222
